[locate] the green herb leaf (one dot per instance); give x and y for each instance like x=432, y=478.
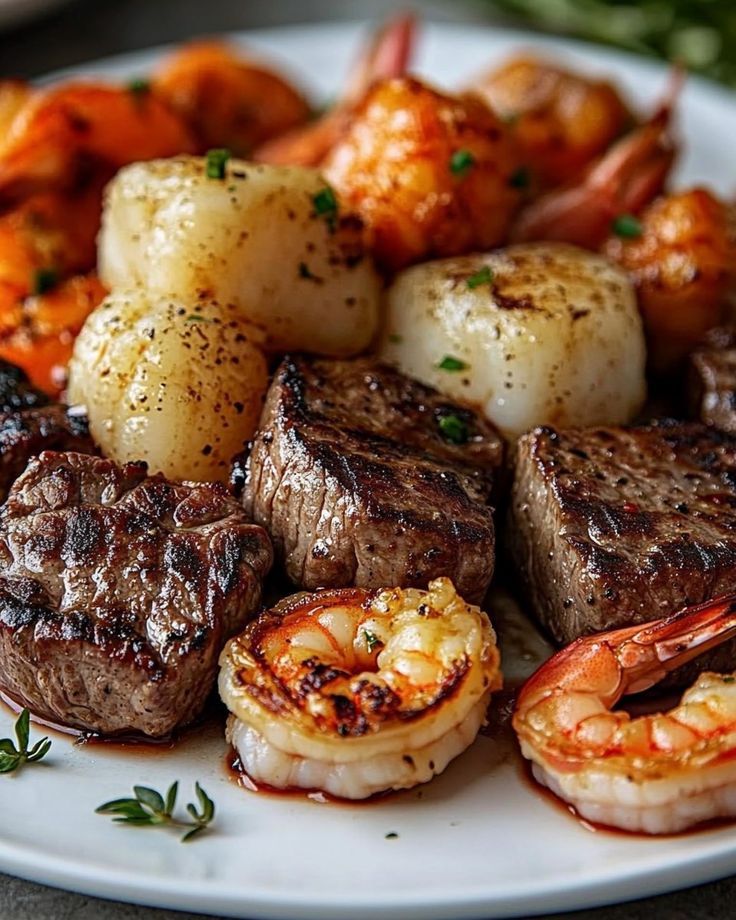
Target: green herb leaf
x=483, y=276
x=453, y=428
x=198, y=318
x=139, y=86
x=23, y=730
x=325, y=205
x=44, y=280
x=150, y=797
x=151, y=809
x=461, y=162
x=450, y=363
x=12, y=757
x=304, y=271
x=395, y=338
x=520, y=179
x=371, y=640
x=392, y=835
x=627, y=226
x=215, y=163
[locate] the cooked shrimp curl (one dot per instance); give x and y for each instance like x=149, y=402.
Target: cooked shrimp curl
x=226, y=99
x=59, y=134
x=656, y=773
x=431, y=175
x=680, y=256
x=356, y=692
x=561, y=121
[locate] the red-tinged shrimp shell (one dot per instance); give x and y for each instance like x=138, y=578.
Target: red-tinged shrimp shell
x=60, y=132
x=561, y=121
x=657, y=773
x=357, y=692
x=681, y=260
x=623, y=180
x=386, y=55
x=227, y=100
x=431, y=175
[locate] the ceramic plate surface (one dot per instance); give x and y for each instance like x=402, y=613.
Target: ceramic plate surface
x=479, y=841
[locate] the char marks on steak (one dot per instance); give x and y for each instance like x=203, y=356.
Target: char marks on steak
x=118, y=590
x=712, y=379
x=352, y=476
x=30, y=423
x=25, y=433
x=614, y=526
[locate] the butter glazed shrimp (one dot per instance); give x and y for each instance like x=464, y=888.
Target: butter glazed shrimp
x=357, y=692
x=61, y=132
x=561, y=121
x=656, y=773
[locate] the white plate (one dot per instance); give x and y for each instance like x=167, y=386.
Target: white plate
x=478, y=841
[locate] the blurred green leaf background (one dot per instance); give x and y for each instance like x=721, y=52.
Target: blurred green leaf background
x=701, y=34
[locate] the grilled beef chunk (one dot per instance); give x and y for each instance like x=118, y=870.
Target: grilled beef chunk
x=614, y=526
x=365, y=477
x=118, y=590
x=25, y=433
x=16, y=390
x=712, y=379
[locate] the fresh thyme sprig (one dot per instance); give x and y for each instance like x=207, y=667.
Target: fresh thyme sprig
x=150, y=809
x=12, y=758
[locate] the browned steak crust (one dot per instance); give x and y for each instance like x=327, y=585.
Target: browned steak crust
x=353, y=478
x=712, y=379
x=25, y=433
x=613, y=526
x=118, y=590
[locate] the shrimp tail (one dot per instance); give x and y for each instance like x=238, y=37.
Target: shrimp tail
x=624, y=180
x=387, y=55
x=676, y=640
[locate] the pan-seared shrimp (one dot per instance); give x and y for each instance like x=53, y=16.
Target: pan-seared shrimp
x=656, y=773
x=431, y=175
x=561, y=121
x=38, y=333
x=385, y=56
x=62, y=132
x=357, y=692
x=623, y=181
x=227, y=100
x=680, y=255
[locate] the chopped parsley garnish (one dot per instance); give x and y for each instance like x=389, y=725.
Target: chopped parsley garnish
x=627, y=226
x=139, y=86
x=44, y=280
x=453, y=428
x=325, y=205
x=450, y=363
x=197, y=318
x=371, y=640
x=484, y=276
x=520, y=178
x=392, y=835
x=215, y=164
x=304, y=271
x=461, y=162
x=395, y=338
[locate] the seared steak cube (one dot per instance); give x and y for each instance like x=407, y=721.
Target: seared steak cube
x=614, y=526
x=363, y=476
x=712, y=379
x=25, y=433
x=118, y=590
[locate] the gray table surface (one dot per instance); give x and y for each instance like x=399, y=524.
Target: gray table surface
x=94, y=28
